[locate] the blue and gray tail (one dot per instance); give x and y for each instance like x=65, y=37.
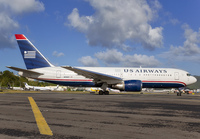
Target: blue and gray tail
x=31, y=55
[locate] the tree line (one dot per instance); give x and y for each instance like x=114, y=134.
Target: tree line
x=7, y=78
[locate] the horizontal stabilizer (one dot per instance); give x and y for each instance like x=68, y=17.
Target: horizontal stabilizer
x=98, y=77
x=24, y=70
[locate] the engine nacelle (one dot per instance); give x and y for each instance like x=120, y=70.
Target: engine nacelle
x=129, y=85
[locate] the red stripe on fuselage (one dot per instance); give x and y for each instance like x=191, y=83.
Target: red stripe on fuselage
x=68, y=80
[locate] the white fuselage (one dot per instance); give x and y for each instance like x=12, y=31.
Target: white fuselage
x=150, y=77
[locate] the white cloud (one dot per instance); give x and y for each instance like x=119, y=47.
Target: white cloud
x=57, y=54
x=81, y=23
x=174, y=21
x=140, y=60
x=21, y=6
x=117, y=21
x=7, y=25
x=110, y=56
x=190, y=51
x=113, y=57
x=9, y=9
x=89, y=61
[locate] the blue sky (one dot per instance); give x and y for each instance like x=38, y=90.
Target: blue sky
x=116, y=33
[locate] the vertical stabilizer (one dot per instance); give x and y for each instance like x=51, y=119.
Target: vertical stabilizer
x=31, y=55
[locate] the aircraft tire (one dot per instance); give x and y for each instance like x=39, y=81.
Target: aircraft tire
x=106, y=92
x=100, y=92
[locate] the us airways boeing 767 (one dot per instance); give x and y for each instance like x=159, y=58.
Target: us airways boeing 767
x=124, y=78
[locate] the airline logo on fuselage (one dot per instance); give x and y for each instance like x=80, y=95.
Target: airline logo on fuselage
x=145, y=71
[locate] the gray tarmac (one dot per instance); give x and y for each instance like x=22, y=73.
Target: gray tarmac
x=92, y=116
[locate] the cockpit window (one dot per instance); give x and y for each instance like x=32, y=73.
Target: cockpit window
x=188, y=74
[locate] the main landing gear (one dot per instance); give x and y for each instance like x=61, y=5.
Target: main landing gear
x=101, y=92
x=104, y=87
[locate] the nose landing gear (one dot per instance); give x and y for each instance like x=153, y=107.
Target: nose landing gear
x=178, y=92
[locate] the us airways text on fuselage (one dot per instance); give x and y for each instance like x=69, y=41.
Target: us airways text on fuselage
x=145, y=71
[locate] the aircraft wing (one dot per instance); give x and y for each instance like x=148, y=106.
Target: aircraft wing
x=24, y=70
x=98, y=77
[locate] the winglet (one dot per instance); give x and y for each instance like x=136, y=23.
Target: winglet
x=20, y=37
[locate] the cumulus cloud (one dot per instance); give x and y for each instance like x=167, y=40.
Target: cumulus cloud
x=21, y=6
x=117, y=21
x=7, y=25
x=190, y=49
x=141, y=60
x=57, y=54
x=89, y=61
x=113, y=57
x=9, y=9
x=110, y=56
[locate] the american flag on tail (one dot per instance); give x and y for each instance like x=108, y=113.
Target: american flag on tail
x=29, y=54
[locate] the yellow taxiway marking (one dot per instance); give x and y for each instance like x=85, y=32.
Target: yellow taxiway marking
x=41, y=122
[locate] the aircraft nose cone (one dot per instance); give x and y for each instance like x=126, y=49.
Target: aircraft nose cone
x=193, y=80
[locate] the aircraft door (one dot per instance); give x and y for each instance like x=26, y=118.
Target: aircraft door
x=58, y=74
x=176, y=76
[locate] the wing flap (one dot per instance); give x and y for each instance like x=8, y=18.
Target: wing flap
x=98, y=77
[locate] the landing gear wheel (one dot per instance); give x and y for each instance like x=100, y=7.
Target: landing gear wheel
x=103, y=92
x=100, y=92
x=179, y=94
x=106, y=92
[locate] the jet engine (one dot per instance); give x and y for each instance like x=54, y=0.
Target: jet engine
x=129, y=85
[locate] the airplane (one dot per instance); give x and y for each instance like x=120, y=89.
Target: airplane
x=121, y=78
x=16, y=88
x=37, y=88
x=92, y=89
x=28, y=87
